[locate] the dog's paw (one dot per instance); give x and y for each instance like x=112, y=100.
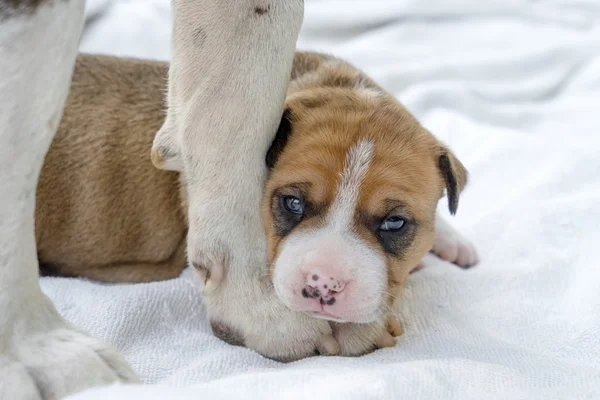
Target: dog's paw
x=419, y=267
x=259, y=321
x=361, y=339
x=52, y=364
x=450, y=245
x=294, y=336
x=394, y=327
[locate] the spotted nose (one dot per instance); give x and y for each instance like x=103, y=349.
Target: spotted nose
x=322, y=286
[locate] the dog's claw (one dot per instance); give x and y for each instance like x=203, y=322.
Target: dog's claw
x=210, y=287
x=394, y=327
x=385, y=340
x=212, y=277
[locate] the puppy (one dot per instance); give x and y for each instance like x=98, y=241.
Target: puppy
x=349, y=206
x=350, y=202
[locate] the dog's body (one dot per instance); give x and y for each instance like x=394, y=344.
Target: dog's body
x=103, y=211
x=230, y=70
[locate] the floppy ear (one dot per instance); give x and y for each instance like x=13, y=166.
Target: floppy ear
x=165, y=153
x=454, y=174
x=302, y=103
x=281, y=139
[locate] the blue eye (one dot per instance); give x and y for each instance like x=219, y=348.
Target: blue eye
x=293, y=205
x=392, y=224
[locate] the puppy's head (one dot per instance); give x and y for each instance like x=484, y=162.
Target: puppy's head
x=350, y=202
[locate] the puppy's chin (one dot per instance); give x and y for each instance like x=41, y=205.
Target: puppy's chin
x=334, y=278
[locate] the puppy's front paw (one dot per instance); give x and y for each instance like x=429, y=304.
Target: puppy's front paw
x=450, y=245
x=49, y=364
x=295, y=336
x=394, y=327
x=360, y=339
x=419, y=267
x=327, y=345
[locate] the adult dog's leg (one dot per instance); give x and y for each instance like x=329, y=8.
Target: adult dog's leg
x=227, y=83
x=41, y=355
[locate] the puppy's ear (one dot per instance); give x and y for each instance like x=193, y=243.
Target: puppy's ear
x=454, y=174
x=305, y=101
x=281, y=139
x=165, y=153
x=297, y=105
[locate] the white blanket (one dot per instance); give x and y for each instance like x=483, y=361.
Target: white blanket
x=513, y=86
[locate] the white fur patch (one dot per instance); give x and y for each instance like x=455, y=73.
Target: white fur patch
x=368, y=91
x=356, y=166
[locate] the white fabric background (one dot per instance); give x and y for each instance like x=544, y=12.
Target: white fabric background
x=513, y=86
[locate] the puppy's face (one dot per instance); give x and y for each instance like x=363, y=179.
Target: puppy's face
x=349, y=207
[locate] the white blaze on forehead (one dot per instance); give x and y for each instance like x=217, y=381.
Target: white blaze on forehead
x=370, y=92
x=367, y=90
x=356, y=165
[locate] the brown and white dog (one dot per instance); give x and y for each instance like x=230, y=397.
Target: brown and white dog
x=349, y=206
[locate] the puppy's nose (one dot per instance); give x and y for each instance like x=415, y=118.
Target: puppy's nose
x=322, y=286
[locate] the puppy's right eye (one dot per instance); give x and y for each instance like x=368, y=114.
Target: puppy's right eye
x=293, y=205
x=392, y=224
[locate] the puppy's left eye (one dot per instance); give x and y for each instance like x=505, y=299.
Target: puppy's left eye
x=392, y=224
x=293, y=204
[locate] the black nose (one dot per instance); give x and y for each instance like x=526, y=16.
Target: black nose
x=329, y=302
x=311, y=292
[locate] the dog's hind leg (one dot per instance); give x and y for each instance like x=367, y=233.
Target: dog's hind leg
x=41, y=355
x=450, y=245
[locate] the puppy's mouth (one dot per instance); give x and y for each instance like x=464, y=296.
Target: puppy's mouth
x=325, y=315
x=323, y=308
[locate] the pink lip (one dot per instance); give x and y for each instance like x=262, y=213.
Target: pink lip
x=317, y=310
x=324, y=314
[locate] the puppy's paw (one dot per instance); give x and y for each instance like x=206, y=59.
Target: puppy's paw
x=450, y=245
x=54, y=363
x=308, y=337
x=385, y=340
x=361, y=339
x=394, y=327
x=419, y=267
x=327, y=345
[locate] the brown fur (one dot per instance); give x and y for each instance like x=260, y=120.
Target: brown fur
x=103, y=211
